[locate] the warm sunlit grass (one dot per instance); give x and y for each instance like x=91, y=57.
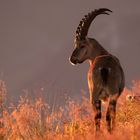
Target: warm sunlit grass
x=35, y=120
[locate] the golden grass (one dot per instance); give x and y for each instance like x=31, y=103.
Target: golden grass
x=34, y=120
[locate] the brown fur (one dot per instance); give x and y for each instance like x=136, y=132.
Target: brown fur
x=105, y=75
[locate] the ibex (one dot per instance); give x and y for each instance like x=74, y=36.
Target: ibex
x=105, y=75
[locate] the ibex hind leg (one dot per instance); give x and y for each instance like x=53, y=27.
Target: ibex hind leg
x=96, y=103
x=111, y=113
x=97, y=111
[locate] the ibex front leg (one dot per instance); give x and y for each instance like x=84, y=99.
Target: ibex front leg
x=111, y=114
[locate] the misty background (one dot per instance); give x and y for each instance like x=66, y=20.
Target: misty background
x=36, y=40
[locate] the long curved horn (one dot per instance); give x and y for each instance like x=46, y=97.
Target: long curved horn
x=84, y=25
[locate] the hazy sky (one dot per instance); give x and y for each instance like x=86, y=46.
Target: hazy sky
x=36, y=40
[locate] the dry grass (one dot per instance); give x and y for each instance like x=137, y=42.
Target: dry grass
x=34, y=120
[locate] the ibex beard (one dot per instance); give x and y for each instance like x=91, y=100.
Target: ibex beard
x=105, y=76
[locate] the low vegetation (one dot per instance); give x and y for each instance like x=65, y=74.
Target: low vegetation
x=35, y=119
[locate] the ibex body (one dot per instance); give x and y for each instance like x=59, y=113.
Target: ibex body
x=105, y=76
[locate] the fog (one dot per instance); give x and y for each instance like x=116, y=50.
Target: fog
x=36, y=40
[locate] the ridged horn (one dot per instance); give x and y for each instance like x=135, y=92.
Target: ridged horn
x=82, y=29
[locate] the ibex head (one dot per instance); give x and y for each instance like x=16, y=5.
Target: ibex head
x=83, y=48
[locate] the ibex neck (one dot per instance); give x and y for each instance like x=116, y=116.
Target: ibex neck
x=97, y=50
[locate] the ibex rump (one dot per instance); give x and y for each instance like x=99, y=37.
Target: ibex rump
x=105, y=76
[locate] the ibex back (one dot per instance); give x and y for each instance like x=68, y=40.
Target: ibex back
x=105, y=76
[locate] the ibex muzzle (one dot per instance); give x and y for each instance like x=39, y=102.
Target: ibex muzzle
x=105, y=76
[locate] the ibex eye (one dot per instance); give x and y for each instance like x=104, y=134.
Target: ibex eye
x=82, y=46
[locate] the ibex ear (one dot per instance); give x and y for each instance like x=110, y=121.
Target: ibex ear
x=88, y=40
